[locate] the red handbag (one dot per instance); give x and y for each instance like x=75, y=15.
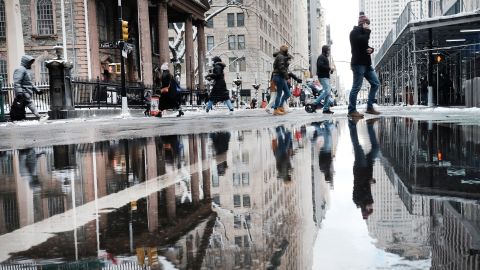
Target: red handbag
x=297, y=91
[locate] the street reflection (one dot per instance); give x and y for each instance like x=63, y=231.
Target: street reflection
x=252, y=199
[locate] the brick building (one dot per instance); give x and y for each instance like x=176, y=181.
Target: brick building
x=84, y=26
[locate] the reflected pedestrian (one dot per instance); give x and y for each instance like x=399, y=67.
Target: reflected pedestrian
x=282, y=150
x=24, y=87
x=148, y=101
x=219, y=90
x=363, y=167
x=220, y=141
x=361, y=65
x=325, y=159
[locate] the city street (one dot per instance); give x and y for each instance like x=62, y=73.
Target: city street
x=243, y=190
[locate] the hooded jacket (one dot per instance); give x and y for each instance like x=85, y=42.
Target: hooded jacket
x=323, y=64
x=22, y=81
x=359, y=38
x=280, y=65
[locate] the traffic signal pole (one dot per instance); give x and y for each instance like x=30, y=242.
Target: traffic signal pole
x=121, y=44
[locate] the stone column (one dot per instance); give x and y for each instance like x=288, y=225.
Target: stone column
x=207, y=190
x=94, y=39
x=15, y=45
x=189, y=66
x=145, y=44
x=163, y=32
x=195, y=181
x=201, y=53
x=151, y=172
x=25, y=205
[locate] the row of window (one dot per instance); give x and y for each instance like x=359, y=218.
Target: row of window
x=234, y=42
x=42, y=71
x=44, y=18
x=231, y=22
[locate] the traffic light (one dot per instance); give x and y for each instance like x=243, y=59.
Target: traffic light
x=124, y=30
x=439, y=58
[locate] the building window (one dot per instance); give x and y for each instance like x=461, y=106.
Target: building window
x=215, y=182
x=238, y=241
x=3, y=69
x=43, y=71
x=237, y=201
x=210, y=42
x=245, y=178
x=237, y=222
x=236, y=179
x=102, y=22
x=231, y=20
x=216, y=199
x=45, y=18
x=246, y=201
x=231, y=42
x=242, y=64
x=209, y=22
x=261, y=43
x=2, y=19
x=241, y=42
x=240, y=19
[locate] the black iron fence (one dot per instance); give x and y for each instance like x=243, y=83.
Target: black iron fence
x=99, y=94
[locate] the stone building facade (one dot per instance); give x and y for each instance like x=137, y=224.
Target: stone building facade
x=86, y=27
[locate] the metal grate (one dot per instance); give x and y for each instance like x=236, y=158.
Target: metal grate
x=2, y=19
x=44, y=17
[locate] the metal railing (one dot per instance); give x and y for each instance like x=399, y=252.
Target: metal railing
x=100, y=94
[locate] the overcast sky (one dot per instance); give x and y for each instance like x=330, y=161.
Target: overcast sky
x=342, y=16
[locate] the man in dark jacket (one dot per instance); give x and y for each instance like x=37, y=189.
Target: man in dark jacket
x=280, y=77
x=361, y=65
x=23, y=85
x=323, y=73
x=219, y=91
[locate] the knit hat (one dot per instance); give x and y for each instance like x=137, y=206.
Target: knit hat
x=164, y=66
x=216, y=59
x=363, y=19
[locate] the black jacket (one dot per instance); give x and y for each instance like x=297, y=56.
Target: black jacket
x=359, y=42
x=280, y=65
x=219, y=90
x=323, y=64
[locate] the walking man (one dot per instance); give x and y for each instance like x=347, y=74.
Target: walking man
x=323, y=73
x=219, y=91
x=280, y=76
x=24, y=86
x=361, y=65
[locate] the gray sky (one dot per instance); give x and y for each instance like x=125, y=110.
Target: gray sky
x=342, y=16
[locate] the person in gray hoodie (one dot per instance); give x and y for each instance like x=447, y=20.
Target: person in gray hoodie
x=23, y=85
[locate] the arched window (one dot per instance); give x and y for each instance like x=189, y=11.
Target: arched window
x=45, y=25
x=2, y=20
x=102, y=22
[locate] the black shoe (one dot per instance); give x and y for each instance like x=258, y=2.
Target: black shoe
x=231, y=110
x=180, y=113
x=208, y=110
x=327, y=112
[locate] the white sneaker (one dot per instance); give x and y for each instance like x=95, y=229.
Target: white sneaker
x=43, y=118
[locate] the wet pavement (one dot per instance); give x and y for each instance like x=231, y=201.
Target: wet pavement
x=382, y=193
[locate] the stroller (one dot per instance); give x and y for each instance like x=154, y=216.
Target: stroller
x=312, y=92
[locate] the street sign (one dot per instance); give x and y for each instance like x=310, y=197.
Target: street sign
x=108, y=45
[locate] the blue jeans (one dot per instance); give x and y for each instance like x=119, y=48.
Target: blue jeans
x=360, y=72
x=283, y=93
x=325, y=95
x=227, y=102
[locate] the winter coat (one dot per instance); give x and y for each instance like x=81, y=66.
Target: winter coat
x=219, y=90
x=170, y=99
x=359, y=42
x=323, y=64
x=281, y=63
x=22, y=80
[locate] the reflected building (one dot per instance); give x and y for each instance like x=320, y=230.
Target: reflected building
x=425, y=160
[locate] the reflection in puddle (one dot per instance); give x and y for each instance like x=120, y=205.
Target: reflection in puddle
x=389, y=192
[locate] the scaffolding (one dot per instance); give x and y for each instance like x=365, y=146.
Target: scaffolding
x=433, y=60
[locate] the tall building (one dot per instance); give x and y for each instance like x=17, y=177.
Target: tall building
x=246, y=37
x=384, y=13
x=316, y=32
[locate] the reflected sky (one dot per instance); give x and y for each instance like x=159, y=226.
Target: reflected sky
x=389, y=193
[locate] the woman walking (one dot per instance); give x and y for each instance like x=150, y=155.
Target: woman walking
x=219, y=90
x=169, y=97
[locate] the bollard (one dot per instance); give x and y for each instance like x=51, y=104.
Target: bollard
x=430, y=97
x=2, y=101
